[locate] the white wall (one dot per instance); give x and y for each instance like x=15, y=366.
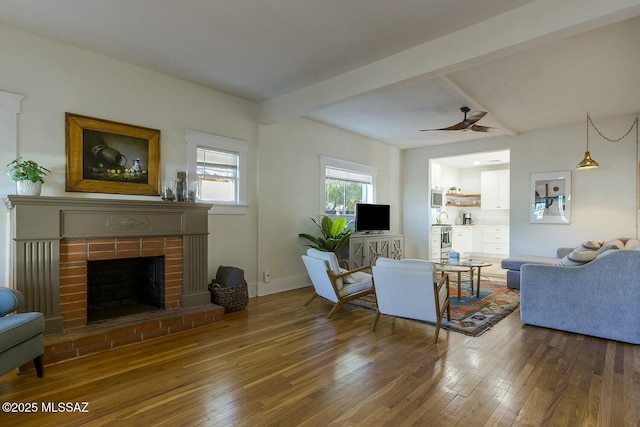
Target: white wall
x=283, y=167
x=603, y=200
x=289, y=190
x=56, y=78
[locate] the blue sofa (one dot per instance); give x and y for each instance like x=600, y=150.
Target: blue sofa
x=21, y=335
x=598, y=298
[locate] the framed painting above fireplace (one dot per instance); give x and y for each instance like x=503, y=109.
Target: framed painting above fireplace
x=111, y=157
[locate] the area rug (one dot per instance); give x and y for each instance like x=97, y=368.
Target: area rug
x=471, y=315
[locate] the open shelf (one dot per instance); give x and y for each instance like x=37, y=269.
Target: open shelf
x=459, y=200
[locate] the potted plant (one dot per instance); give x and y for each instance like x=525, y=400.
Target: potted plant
x=28, y=175
x=334, y=234
x=454, y=189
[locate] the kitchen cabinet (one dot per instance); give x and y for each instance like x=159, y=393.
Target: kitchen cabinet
x=495, y=187
x=365, y=249
x=495, y=241
x=462, y=239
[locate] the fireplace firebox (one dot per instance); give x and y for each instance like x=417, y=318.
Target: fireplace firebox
x=120, y=287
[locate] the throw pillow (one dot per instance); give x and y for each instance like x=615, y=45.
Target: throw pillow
x=632, y=245
x=611, y=244
x=585, y=252
x=357, y=277
x=349, y=278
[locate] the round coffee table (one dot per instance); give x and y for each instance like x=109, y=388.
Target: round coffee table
x=475, y=264
x=449, y=267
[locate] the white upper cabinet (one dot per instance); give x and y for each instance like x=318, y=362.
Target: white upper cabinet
x=495, y=189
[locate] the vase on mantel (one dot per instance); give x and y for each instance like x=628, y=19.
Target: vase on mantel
x=28, y=188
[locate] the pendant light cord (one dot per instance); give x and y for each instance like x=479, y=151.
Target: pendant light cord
x=635, y=123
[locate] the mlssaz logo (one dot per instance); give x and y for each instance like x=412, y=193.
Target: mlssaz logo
x=65, y=407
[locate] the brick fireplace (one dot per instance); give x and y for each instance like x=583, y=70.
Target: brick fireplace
x=55, y=237
x=75, y=254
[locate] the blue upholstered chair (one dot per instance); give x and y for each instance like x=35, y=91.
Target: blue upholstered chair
x=21, y=335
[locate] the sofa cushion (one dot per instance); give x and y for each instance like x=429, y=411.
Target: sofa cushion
x=515, y=262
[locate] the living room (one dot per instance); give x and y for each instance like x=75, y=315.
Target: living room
x=284, y=176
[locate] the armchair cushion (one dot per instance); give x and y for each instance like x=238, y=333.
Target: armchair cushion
x=19, y=328
x=21, y=335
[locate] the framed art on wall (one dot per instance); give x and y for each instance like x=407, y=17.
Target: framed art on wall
x=111, y=157
x=551, y=198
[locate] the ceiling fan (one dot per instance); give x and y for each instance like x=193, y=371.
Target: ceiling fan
x=468, y=123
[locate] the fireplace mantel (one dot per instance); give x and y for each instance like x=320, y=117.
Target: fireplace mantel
x=39, y=224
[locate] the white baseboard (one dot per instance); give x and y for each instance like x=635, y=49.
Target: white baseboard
x=281, y=285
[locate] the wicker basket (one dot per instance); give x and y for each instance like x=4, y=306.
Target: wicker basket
x=234, y=298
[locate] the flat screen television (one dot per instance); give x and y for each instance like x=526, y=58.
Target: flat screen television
x=372, y=218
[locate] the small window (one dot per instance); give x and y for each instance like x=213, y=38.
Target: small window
x=219, y=164
x=345, y=185
x=217, y=175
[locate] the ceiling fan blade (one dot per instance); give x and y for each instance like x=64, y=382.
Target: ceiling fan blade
x=475, y=116
x=479, y=128
x=457, y=126
x=467, y=123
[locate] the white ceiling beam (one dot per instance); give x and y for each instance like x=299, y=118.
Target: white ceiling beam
x=454, y=90
x=531, y=25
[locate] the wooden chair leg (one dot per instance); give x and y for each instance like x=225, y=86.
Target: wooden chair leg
x=311, y=299
x=334, y=309
x=375, y=320
x=39, y=366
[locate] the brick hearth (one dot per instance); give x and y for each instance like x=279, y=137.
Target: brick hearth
x=113, y=333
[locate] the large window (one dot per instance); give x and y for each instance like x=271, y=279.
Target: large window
x=345, y=185
x=219, y=165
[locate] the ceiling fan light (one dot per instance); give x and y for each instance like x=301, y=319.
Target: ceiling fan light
x=587, y=162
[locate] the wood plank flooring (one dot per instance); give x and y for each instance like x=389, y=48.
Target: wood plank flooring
x=282, y=364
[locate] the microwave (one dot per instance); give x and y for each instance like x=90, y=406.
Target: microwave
x=436, y=198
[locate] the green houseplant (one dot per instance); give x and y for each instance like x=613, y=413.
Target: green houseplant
x=28, y=175
x=334, y=234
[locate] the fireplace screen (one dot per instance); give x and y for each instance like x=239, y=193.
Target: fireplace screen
x=124, y=286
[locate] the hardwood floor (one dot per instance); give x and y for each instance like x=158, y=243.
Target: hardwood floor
x=282, y=364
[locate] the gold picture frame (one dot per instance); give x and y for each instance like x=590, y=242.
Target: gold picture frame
x=111, y=157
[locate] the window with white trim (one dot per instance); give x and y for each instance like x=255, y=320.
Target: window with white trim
x=219, y=164
x=346, y=184
x=217, y=173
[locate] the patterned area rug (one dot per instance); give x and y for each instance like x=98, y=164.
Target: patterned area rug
x=471, y=315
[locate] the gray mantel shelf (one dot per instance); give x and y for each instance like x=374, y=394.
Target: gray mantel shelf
x=40, y=223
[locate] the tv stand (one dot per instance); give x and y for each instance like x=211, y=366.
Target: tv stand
x=364, y=249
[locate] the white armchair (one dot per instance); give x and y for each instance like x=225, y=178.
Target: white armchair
x=334, y=283
x=408, y=288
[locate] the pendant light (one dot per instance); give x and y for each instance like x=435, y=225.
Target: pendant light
x=587, y=162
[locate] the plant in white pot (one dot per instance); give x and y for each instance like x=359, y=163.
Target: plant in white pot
x=28, y=175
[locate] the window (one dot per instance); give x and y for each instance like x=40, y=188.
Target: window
x=219, y=165
x=217, y=175
x=344, y=185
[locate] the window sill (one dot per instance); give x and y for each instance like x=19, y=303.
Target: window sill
x=229, y=209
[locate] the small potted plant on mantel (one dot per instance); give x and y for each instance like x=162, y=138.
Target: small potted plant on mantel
x=28, y=175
